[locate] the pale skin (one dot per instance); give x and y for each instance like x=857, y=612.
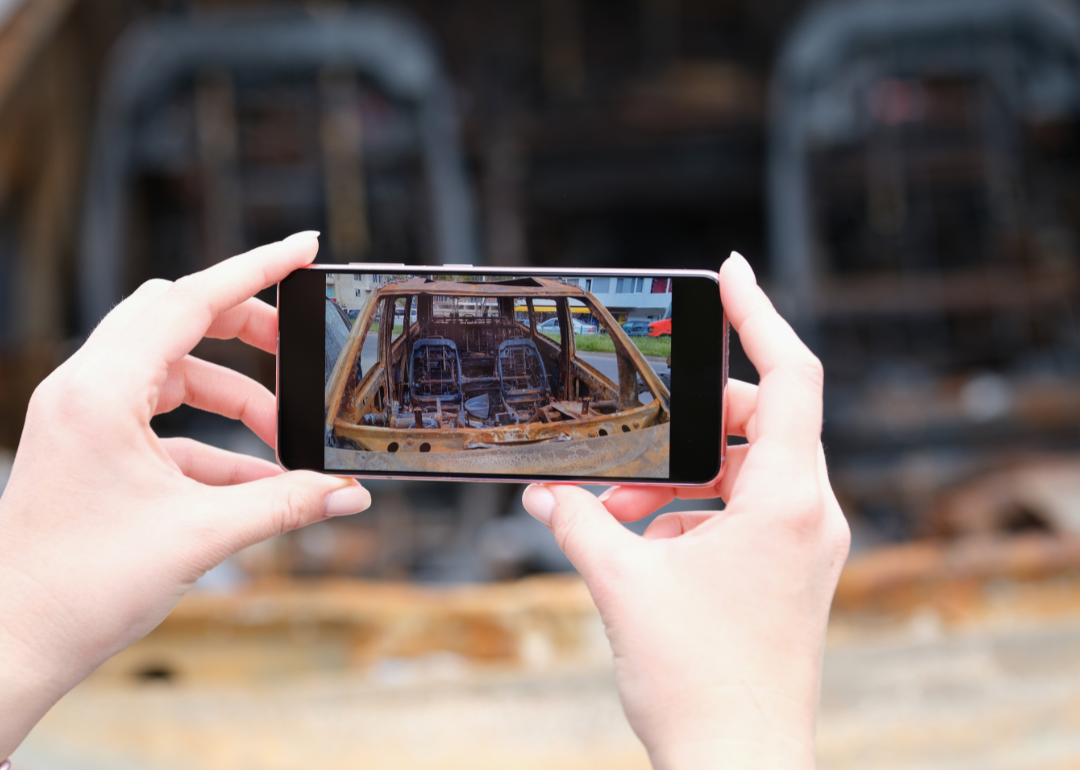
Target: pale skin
x=717, y=620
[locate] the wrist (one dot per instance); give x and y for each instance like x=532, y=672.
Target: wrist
x=33, y=676
x=26, y=694
x=775, y=752
x=737, y=728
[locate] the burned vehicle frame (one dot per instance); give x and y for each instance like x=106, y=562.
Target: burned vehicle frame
x=473, y=374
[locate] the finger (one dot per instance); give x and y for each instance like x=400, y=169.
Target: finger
x=633, y=503
x=220, y=390
x=185, y=313
x=637, y=502
x=216, y=467
x=788, y=408
x=742, y=403
x=733, y=463
x=582, y=526
x=676, y=523
x=252, y=321
x=261, y=509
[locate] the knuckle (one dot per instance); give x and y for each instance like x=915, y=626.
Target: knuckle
x=810, y=370
x=804, y=509
x=153, y=287
x=842, y=543
x=186, y=287
x=43, y=398
x=62, y=396
x=566, y=525
x=288, y=509
x=839, y=541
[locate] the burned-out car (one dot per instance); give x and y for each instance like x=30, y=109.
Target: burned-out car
x=474, y=386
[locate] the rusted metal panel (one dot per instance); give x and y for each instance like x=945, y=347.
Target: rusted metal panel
x=639, y=453
x=339, y=377
x=449, y=439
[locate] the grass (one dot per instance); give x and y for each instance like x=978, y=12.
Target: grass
x=659, y=347
x=375, y=327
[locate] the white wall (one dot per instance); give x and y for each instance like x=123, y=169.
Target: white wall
x=636, y=303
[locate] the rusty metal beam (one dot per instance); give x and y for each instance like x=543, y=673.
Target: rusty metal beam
x=377, y=438
x=629, y=356
x=640, y=453
x=545, y=287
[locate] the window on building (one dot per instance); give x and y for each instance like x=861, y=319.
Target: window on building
x=588, y=284
x=640, y=286
x=660, y=285
x=600, y=285
x=624, y=286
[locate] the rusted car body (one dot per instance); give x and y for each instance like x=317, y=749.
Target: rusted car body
x=467, y=388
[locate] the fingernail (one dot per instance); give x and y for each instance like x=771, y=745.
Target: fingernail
x=740, y=261
x=305, y=234
x=346, y=501
x=539, y=502
x=608, y=493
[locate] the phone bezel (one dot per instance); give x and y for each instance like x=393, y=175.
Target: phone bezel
x=296, y=329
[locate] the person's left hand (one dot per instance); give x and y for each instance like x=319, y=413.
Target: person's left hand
x=103, y=525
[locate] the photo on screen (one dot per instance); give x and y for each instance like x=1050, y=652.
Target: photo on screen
x=488, y=375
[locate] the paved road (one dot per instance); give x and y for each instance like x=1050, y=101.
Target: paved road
x=609, y=365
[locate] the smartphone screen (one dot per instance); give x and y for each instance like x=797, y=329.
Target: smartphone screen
x=502, y=374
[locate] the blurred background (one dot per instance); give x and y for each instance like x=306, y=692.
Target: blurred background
x=904, y=176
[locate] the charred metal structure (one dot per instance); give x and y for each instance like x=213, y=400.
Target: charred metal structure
x=219, y=132
x=452, y=384
x=924, y=238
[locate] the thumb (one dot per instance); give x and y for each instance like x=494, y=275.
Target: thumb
x=258, y=510
x=584, y=529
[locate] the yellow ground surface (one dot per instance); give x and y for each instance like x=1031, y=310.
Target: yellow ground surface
x=348, y=675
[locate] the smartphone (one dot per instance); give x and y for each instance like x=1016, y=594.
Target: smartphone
x=501, y=374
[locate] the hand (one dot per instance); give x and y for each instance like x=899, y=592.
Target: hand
x=103, y=525
x=717, y=619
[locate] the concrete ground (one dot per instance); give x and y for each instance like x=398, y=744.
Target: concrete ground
x=519, y=677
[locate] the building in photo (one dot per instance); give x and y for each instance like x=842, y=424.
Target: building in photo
x=630, y=298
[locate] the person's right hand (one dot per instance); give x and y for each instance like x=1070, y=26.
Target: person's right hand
x=717, y=619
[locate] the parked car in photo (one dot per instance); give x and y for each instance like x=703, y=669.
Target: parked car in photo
x=661, y=328
x=635, y=328
x=551, y=326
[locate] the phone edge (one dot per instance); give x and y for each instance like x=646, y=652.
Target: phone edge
x=374, y=266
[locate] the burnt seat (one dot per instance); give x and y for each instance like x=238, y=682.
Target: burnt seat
x=522, y=377
x=434, y=372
